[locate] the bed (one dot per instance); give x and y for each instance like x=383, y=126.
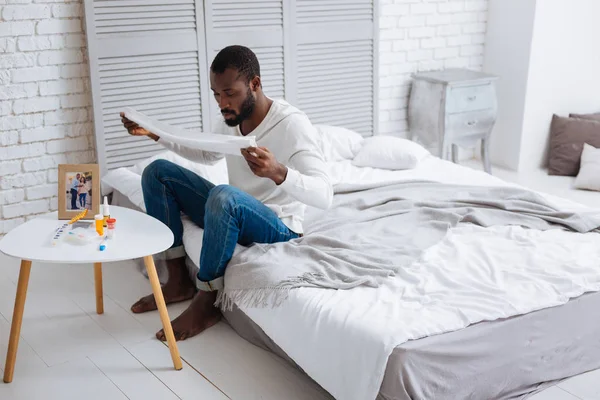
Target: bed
x=502, y=357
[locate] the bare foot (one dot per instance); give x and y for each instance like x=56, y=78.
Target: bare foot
x=178, y=288
x=200, y=315
x=171, y=293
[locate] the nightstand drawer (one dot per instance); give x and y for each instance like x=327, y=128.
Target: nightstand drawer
x=470, y=98
x=465, y=124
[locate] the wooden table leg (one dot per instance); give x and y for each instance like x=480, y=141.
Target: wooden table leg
x=162, y=310
x=17, y=319
x=98, y=282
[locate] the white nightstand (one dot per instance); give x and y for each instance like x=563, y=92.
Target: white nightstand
x=453, y=107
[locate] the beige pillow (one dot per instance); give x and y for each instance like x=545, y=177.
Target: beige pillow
x=589, y=173
x=594, y=117
x=567, y=137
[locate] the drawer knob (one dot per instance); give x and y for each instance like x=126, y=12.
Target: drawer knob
x=471, y=98
x=471, y=123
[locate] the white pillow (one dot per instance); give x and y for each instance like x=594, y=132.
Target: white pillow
x=339, y=143
x=589, y=171
x=389, y=152
x=126, y=182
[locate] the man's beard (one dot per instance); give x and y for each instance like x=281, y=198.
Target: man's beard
x=245, y=111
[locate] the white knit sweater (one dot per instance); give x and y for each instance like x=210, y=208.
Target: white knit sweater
x=289, y=135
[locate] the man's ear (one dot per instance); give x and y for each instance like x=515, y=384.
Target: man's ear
x=255, y=83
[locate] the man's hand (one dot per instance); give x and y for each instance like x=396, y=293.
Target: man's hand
x=264, y=164
x=135, y=130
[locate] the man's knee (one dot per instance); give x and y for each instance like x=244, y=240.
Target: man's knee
x=156, y=170
x=222, y=198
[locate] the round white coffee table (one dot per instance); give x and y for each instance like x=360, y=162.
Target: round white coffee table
x=137, y=235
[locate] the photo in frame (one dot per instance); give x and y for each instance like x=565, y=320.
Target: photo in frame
x=78, y=189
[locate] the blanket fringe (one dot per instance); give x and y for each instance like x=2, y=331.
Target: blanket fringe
x=266, y=296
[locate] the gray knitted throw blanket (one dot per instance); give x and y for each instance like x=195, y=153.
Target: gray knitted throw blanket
x=373, y=231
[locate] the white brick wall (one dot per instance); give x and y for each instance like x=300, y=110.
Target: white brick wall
x=45, y=115
x=421, y=35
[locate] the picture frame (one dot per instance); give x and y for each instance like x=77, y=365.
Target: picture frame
x=78, y=188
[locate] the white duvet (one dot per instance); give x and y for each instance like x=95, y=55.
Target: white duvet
x=343, y=339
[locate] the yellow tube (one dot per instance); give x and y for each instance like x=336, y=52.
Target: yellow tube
x=99, y=218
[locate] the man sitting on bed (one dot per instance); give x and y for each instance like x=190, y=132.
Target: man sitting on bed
x=269, y=187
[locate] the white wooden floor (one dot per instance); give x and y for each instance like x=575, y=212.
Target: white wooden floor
x=67, y=351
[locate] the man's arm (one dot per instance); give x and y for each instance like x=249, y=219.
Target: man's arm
x=304, y=177
x=307, y=181
x=192, y=154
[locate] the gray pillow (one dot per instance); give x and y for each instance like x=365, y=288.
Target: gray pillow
x=567, y=137
x=594, y=117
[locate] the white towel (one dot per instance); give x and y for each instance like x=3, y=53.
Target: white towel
x=212, y=142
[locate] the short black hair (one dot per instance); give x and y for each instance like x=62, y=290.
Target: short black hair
x=237, y=57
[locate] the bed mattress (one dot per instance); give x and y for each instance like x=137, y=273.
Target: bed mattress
x=503, y=359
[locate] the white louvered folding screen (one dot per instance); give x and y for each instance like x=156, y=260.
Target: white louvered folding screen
x=257, y=24
x=335, y=52
x=154, y=55
x=146, y=54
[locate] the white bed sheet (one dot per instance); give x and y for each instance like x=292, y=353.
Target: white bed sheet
x=342, y=339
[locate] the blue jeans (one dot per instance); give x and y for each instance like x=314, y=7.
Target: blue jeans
x=83, y=199
x=73, y=199
x=227, y=215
